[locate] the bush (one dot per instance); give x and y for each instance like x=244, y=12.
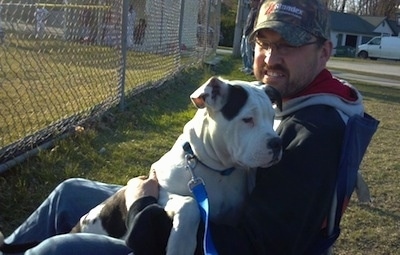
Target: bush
x=228, y=18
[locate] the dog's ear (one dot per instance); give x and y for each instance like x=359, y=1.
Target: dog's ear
x=274, y=96
x=212, y=93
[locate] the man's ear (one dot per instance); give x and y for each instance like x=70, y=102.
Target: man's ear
x=326, y=52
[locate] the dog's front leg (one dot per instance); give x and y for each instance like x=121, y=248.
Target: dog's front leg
x=186, y=217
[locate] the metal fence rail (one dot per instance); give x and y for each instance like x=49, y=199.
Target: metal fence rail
x=63, y=62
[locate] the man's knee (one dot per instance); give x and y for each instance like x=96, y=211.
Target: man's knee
x=80, y=244
x=70, y=185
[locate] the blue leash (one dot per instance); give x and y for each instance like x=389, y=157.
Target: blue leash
x=197, y=187
x=199, y=192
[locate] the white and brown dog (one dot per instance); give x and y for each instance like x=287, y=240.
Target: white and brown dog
x=230, y=135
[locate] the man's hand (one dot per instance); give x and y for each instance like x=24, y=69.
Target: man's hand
x=141, y=186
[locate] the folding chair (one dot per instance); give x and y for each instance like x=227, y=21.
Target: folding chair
x=358, y=134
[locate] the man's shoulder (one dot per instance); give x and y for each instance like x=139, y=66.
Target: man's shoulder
x=316, y=116
x=318, y=109
x=312, y=127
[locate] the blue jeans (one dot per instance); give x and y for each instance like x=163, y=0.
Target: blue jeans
x=59, y=212
x=247, y=53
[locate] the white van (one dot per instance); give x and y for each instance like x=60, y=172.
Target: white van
x=380, y=47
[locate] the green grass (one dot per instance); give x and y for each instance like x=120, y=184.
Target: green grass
x=128, y=142
x=48, y=80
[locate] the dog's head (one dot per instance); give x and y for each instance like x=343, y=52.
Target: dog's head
x=235, y=122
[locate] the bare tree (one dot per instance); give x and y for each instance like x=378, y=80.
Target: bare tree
x=343, y=6
x=331, y=5
x=387, y=8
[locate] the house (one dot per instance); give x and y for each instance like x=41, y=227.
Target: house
x=352, y=30
x=383, y=26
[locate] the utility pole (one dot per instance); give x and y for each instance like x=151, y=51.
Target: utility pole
x=240, y=21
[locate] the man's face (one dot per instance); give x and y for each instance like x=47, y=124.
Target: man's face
x=286, y=68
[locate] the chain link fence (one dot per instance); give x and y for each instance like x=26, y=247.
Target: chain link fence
x=64, y=62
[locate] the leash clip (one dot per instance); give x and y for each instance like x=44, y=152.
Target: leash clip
x=191, y=163
x=193, y=183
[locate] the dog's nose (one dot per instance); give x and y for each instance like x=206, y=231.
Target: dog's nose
x=275, y=144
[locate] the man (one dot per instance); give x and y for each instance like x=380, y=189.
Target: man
x=246, y=46
x=286, y=211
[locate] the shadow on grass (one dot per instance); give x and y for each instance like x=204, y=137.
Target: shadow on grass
x=381, y=212
x=381, y=93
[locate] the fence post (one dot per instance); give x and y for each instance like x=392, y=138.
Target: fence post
x=207, y=26
x=1, y=29
x=240, y=20
x=124, y=30
x=181, y=23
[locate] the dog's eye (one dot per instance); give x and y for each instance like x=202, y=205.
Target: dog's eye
x=248, y=120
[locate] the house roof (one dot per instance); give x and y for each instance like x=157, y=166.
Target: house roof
x=374, y=20
x=350, y=23
x=393, y=25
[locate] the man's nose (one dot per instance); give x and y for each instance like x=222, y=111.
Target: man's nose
x=272, y=57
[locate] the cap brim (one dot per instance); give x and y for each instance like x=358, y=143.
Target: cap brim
x=293, y=35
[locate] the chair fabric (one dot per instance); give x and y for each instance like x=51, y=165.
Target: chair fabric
x=358, y=134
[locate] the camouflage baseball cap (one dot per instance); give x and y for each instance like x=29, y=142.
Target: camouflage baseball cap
x=295, y=20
